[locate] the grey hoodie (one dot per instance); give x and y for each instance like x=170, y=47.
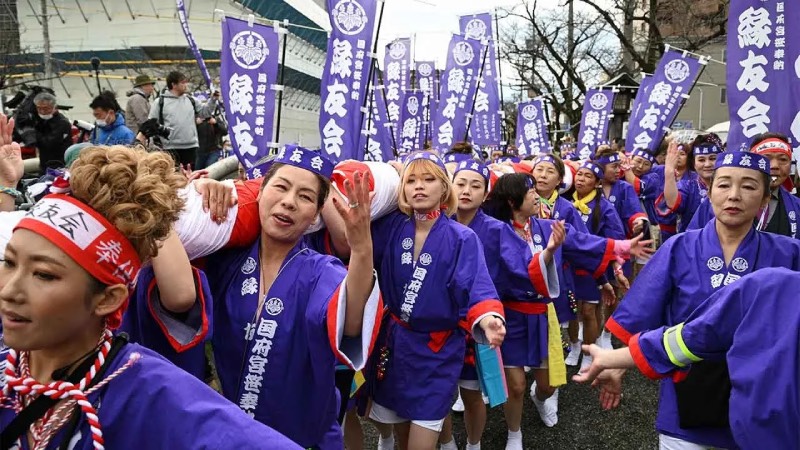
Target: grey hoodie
x=179, y=116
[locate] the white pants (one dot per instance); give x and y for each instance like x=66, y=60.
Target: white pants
x=470, y=385
x=385, y=415
x=672, y=443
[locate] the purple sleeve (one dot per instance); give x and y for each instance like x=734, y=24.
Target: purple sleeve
x=706, y=334
x=473, y=285
x=646, y=302
x=630, y=209
x=587, y=252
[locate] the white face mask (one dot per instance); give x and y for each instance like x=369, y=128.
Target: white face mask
x=45, y=116
x=101, y=123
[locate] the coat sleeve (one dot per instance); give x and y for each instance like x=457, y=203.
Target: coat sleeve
x=707, y=333
x=471, y=284
x=646, y=302
x=587, y=252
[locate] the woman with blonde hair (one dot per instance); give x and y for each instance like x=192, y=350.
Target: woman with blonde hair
x=437, y=288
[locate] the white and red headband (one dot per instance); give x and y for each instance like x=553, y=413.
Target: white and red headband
x=88, y=238
x=772, y=145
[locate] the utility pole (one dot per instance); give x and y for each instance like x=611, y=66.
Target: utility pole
x=48, y=64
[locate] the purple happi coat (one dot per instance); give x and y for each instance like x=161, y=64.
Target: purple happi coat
x=152, y=404
x=278, y=362
x=179, y=340
x=626, y=202
x=432, y=302
x=608, y=226
x=753, y=324
x=684, y=272
x=691, y=193
x=524, y=283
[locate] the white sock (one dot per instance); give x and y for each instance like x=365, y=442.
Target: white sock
x=514, y=435
x=605, y=335
x=580, y=331
x=449, y=446
x=575, y=344
x=474, y=446
x=386, y=443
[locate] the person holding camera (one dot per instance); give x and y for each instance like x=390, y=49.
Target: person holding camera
x=176, y=111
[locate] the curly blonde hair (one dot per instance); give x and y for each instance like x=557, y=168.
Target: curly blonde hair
x=135, y=190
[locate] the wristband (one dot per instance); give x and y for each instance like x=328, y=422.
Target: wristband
x=10, y=191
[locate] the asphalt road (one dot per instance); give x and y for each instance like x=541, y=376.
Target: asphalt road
x=581, y=422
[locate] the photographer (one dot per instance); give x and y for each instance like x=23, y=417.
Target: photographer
x=50, y=132
x=176, y=111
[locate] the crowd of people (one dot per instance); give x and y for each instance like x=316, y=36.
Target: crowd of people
x=194, y=133
x=323, y=296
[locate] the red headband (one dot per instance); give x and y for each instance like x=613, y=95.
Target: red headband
x=88, y=238
x=772, y=145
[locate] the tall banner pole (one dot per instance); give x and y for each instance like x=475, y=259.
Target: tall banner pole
x=284, y=30
x=373, y=62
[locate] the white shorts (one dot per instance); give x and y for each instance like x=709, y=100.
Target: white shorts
x=470, y=385
x=672, y=443
x=385, y=415
x=544, y=365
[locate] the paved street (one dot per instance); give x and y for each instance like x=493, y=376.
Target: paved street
x=581, y=422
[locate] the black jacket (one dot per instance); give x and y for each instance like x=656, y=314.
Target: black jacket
x=53, y=137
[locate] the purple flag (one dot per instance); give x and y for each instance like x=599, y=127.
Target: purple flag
x=376, y=136
x=763, y=71
x=426, y=76
x=670, y=85
x=485, y=128
x=458, y=85
x=396, y=78
x=642, y=93
x=248, y=70
x=344, y=78
x=410, y=122
x=598, y=109
x=190, y=39
x=532, y=135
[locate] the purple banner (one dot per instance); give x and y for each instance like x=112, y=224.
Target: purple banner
x=641, y=95
x=532, y=135
x=248, y=68
x=763, y=71
x=670, y=85
x=458, y=86
x=410, y=125
x=426, y=78
x=598, y=109
x=376, y=137
x=396, y=78
x=344, y=78
x=192, y=44
x=485, y=128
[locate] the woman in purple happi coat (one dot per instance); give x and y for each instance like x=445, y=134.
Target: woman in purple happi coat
x=685, y=271
x=753, y=325
x=283, y=315
x=681, y=199
x=534, y=338
x=437, y=288
x=64, y=284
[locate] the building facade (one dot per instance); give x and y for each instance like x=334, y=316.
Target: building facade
x=145, y=37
